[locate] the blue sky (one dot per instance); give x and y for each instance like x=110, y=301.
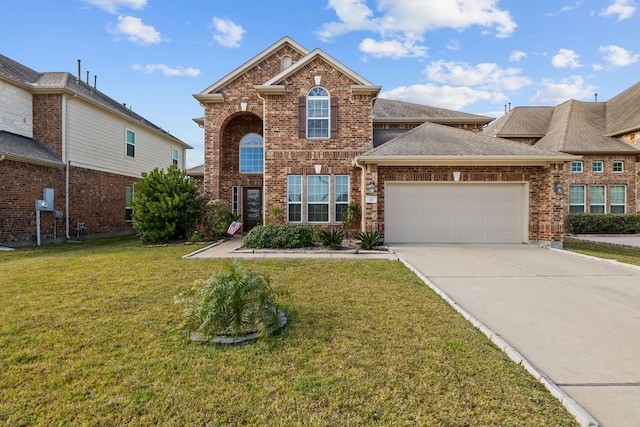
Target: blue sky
x=475, y=56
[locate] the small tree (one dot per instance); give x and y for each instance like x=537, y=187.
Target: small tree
x=351, y=217
x=166, y=205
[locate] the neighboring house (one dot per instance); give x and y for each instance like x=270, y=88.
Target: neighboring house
x=61, y=134
x=298, y=129
x=605, y=134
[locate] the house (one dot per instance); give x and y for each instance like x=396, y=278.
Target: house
x=606, y=136
x=298, y=129
x=69, y=155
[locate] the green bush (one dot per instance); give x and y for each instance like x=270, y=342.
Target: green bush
x=332, y=238
x=278, y=236
x=218, y=217
x=369, y=240
x=233, y=302
x=582, y=223
x=166, y=205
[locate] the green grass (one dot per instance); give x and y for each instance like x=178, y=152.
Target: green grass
x=603, y=250
x=89, y=336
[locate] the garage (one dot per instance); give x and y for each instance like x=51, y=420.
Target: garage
x=456, y=212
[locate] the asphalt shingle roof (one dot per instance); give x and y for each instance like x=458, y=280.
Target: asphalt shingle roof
x=27, y=149
x=389, y=109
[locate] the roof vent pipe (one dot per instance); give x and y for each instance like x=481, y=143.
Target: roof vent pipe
x=595, y=97
x=87, y=76
x=95, y=81
x=78, y=69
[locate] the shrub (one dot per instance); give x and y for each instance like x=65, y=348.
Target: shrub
x=278, y=236
x=233, y=302
x=276, y=215
x=351, y=217
x=166, y=205
x=218, y=217
x=369, y=240
x=331, y=238
x=582, y=223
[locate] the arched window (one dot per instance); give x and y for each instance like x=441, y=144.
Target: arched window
x=251, y=154
x=318, y=113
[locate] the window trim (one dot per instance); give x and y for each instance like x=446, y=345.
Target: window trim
x=623, y=204
x=294, y=203
x=175, y=156
x=604, y=199
x=577, y=163
x=326, y=203
x=584, y=198
x=326, y=98
x=235, y=199
x=127, y=143
x=247, y=140
x=618, y=162
x=128, y=200
x=336, y=203
x=593, y=166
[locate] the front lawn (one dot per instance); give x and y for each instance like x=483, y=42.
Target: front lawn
x=88, y=336
x=603, y=250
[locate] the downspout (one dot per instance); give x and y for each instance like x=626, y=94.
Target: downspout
x=67, y=164
x=264, y=156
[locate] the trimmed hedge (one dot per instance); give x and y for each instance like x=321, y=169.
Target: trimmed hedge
x=582, y=223
x=278, y=236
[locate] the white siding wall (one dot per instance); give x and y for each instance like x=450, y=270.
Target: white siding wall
x=16, y=110
x=97, y=141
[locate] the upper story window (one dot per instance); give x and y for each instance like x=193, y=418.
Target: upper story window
x=576, y=167
x=174, y=156
x=130, y=143
x=598, y=166
x=318, y=113
x=618, y=166
x=251, y=154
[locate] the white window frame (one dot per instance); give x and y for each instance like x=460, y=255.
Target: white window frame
x=613, y=207
x=297, y=192
x=592, y=204
x=577, y=167
x=128, y=143
x=593, y=166
x=336, y=202
x=572, y=204
x=175, y=156
x=250, y=141
x=313, y=112
x=235, y=199
x=618, y=163
x=128, y=199
x=327, y=198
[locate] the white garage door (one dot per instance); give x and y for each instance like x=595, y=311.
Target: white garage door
x=455, y=212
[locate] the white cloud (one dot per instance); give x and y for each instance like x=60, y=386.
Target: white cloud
x=112, y=6
x=228, y=33
x=570, y=7
x=517, y=55
x=566, y=58
x=166, y=70
x=136, y=31
x=624, y=9
x=406, y=21
x=453, y=98
x=618, y=56
x=554, y=93
x=485, y=75
x=392, y=48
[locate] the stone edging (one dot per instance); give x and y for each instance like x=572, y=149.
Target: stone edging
x=225, y=340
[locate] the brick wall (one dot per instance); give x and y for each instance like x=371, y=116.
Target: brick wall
x=47, y=120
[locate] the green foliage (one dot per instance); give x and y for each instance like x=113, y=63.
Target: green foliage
x=369, y=240
x=332, y=238
x=166, y=205
x=276, y=215
x=233, y=302
x=218, y=217
x=278, y=236
x=351, y=217
x=582, y=223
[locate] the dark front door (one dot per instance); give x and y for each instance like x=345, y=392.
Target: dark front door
x=252, y=211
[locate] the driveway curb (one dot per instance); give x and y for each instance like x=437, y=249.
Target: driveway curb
x=573, y=407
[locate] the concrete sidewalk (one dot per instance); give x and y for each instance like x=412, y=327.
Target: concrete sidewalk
x=574, y=320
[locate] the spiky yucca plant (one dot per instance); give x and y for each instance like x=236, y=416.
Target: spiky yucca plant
x=231, y=302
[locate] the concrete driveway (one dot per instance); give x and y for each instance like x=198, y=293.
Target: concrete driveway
x=575, y=319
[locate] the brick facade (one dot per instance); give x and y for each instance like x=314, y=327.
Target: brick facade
x=47, y=120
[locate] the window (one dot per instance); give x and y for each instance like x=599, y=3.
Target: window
x=318, y=113
x=130, y=143
x=597, y=166
x=128, y=210
x=597, y=199
x=576, y=199
x=576, y=167
x=318, y=198
x=341, y=192
x=294, y=198
x=618, y=198
x=174, y=156
x=251, y=154
x=235, y=200
x=618, y=166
